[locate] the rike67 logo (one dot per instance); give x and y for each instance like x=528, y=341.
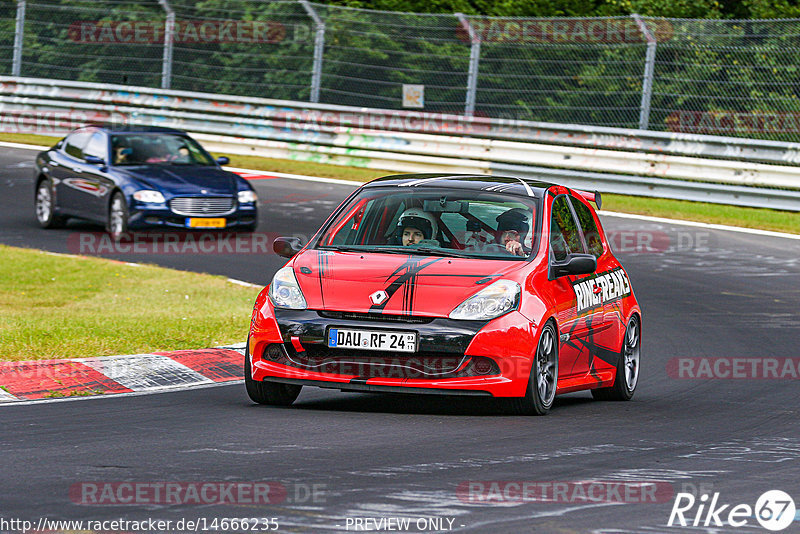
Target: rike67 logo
x=774, y=510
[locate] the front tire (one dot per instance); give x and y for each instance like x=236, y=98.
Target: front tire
x=271, y=393
x=45, y=207
x=627, y=376
x=117, y=216
x=543, y=379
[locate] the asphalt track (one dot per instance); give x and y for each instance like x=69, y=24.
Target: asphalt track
x=704, y=293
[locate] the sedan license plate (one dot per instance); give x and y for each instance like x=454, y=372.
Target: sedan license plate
x=345, y=338
x=193, y=222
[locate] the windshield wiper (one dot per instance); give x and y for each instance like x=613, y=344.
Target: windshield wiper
x=346, y=248
x=397, y=249
x=438, y=252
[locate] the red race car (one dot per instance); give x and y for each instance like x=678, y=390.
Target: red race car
x=450, y=284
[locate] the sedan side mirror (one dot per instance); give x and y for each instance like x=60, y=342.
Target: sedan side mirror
x=574, y=264
x=223, y=160
x=94, y=160
x=288, y=246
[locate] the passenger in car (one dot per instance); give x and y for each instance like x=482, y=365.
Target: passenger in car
x=512, y=227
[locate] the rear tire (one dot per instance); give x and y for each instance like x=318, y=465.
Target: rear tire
x=543, y=379
x=271, y=393
x=44, y=205
x=627, y=366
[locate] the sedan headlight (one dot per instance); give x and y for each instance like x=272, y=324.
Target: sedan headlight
x=284, y=292
x=148, y=196
x=247, y=197
x=490, y=302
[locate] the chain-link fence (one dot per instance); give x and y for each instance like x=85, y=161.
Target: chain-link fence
x=699, y=76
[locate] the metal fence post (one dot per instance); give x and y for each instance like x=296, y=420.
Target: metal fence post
x=169, y=41
x=16, y=64
x=649, y=71
x=319, y=47
x=474, y=59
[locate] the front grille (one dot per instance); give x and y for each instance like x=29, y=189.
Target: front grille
x=380, y=317
x=381, y=364
x=202, y=206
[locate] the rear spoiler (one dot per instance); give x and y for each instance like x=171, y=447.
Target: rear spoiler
x=591, y=197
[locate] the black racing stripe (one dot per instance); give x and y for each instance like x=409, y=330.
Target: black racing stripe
x=403, y=274
x=321, y=259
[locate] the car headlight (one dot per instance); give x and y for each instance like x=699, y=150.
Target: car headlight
x=284, y=292
x=247, y=197
x=490, y=302
x=148, y=196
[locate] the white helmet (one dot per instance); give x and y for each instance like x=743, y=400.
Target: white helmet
x=419, y=219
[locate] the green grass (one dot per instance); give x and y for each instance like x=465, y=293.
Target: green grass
x=29, y=139
x=309, y=168
x=65, y=307
x=763, y=219
x=760, y=218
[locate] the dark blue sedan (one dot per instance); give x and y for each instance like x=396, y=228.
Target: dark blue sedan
x=137, y=177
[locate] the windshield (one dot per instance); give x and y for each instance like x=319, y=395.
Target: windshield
x=160, y=148
x=435, y=221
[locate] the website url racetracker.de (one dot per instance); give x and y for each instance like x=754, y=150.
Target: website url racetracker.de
x=199, y=524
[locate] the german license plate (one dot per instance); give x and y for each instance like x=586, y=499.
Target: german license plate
x=346, y=338
x=193, y=222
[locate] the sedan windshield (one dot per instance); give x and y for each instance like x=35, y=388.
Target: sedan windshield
x=149, y=148
x=435, y=221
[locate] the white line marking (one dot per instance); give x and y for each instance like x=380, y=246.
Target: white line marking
x=295, y=176
x=144, y=371
x=739, y=229
x=242, y=283
x=234, y=346
x=115, y=395
x=23, y=146
x=5, y=396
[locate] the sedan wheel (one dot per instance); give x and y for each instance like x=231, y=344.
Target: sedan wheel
x=543, y=380
x=44, y=206
x=627, y=366
x=117, y=216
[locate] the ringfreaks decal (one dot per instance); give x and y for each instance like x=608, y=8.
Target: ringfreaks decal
x=612, y=285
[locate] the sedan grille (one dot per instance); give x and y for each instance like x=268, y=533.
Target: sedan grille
x=202, y=206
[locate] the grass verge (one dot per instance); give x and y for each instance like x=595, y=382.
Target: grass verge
x=54, y=307
x=763, y=219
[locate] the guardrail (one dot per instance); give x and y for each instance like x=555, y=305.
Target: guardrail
x=743, y=172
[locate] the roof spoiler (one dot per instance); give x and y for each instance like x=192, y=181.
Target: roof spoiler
x=591, y=197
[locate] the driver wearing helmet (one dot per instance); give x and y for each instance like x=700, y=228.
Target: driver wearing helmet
x=512, y=227
x=416, y=225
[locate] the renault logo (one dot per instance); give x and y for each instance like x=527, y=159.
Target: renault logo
x=378, y=297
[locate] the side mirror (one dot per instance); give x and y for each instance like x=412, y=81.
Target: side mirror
x=287, y=246
x=94, y=160
x=223, y=160
x=574, y=264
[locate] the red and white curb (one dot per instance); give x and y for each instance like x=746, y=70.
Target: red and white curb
x=135, y=373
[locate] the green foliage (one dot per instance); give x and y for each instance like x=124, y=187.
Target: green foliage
x=712, y=75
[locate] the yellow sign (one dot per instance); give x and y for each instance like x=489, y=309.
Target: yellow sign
x=413, y=96
x=206, y=223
